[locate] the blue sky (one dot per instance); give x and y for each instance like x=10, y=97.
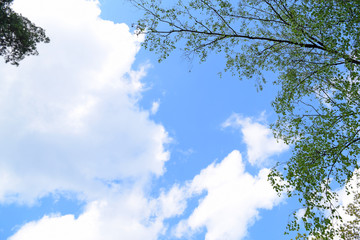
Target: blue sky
x=99, y=141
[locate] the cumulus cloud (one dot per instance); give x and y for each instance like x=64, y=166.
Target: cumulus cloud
x=70, y=122
x=259, y=139
x=128, y=214
x=69, y=118
x=232, y=202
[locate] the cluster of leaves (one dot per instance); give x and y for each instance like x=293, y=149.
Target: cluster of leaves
x=351, y=230
x=313, y=46
x=18, y=35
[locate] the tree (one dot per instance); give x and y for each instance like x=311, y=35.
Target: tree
x=313, y=46
x=18, y=35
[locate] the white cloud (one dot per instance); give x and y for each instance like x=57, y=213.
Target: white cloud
x=259, y=139
x=129, y=215
x=233, y=200
x=69, y=118
x=70, y=122
x=231, y=205
x=171, y=203
x=124, y=217
x=155, y=107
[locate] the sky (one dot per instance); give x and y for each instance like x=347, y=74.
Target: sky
x=100, y=141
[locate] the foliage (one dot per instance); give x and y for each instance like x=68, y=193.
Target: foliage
x=349, y=227
x=313, y=46
x=18, y=35
x=351, y=230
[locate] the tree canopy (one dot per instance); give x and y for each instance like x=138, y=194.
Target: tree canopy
x=18, y=35
x=313, y=46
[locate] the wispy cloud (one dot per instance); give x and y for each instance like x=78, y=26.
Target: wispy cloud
x=155, y=107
